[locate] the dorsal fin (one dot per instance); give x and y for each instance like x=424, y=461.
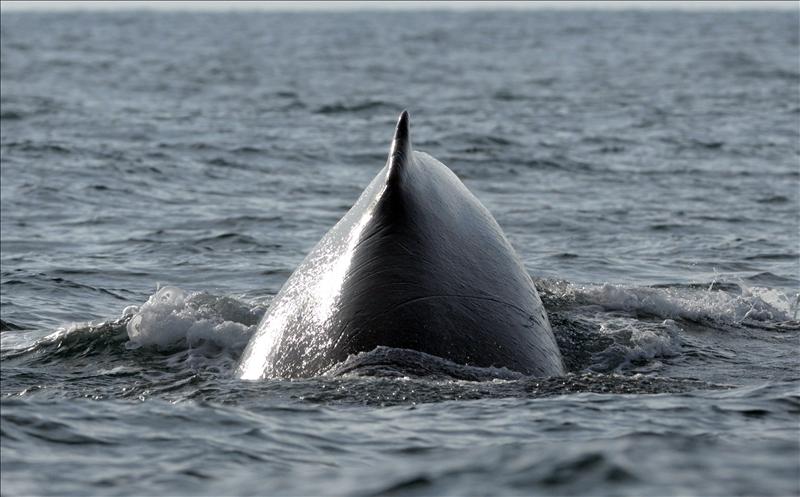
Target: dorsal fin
x=400, y=153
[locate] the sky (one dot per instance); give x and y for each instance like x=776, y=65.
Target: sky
x=8, y=5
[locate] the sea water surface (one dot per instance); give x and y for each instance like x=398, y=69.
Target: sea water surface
x=164, y=173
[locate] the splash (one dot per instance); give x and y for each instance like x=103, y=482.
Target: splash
x=734, y=303
x=172, y=317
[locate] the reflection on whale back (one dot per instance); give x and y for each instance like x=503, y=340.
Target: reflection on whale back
x=417, y=263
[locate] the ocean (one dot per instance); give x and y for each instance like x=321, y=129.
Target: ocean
x=163, y=173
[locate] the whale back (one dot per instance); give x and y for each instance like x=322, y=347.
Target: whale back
x=417, y=263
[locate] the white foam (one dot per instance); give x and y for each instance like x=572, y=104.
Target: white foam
x=636, y=341
x=751, y=304
x=172, y=317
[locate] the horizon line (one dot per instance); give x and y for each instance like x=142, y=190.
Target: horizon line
x=356, y=6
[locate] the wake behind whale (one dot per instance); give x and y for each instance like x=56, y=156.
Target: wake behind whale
x=417, y=263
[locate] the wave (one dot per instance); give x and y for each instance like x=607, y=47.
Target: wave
x=599, y=328
x=172, y=317
x=352, y=107
x=715, y=302
x=388, y=362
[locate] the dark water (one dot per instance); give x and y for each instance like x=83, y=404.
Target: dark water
x=162, y=175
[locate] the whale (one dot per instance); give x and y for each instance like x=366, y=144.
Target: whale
x=417, y=263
